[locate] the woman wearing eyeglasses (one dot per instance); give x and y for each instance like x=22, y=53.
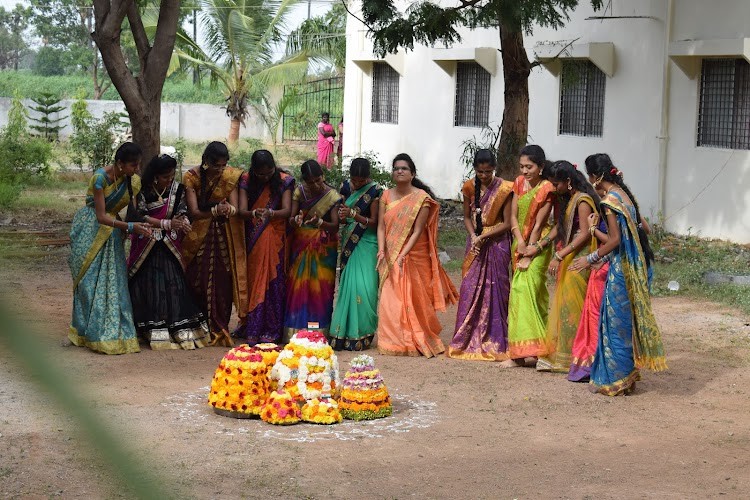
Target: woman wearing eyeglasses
x=413, y=282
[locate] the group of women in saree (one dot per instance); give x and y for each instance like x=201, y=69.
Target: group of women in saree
x=270, y=248
x=589, y=236
x=257, y=242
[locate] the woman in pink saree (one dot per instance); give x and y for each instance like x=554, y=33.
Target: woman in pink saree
x=326, y=138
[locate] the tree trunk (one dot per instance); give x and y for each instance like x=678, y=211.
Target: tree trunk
x=234, y=132
x=142, y=93
x=515, y=123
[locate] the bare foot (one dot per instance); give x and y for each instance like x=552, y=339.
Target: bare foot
x=512, y=363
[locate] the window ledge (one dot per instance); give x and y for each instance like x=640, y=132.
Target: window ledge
x=601, y=54
x=364, y=62
x=687, y=54
x=486, y=57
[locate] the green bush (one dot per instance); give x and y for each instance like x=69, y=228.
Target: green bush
x=9, y=194
x=93, y=141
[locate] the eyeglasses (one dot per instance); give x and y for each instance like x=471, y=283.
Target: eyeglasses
x=396, y=169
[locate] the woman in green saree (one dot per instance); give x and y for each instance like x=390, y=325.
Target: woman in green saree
x=530, y=225
x=102, y=312
x=355, y=316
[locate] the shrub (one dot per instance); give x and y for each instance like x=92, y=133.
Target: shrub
x=93, y=141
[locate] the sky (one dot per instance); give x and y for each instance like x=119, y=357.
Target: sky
x=297, y=13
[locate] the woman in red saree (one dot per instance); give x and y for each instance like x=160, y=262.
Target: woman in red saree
x=214, y=251
x=326, y=138
x=413, y=283
x=265, y=202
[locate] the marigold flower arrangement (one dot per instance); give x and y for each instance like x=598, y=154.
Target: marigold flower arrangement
x=281, y=409
x=270, y=353
x=307, y=368
x=321, y=411
x=240, y=386
x=364, y=395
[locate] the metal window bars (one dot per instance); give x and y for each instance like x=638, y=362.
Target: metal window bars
x=385, y=83
x=582, y=87
x=724, y=111
x=472, y=95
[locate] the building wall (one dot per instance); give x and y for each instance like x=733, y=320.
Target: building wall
x=192, y=122
x=650, y=114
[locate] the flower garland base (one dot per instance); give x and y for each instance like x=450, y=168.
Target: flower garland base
x=367, y=414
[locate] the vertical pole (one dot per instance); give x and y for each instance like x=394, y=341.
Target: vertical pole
x=195, y=39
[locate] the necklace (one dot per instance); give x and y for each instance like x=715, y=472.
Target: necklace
x=161, y=195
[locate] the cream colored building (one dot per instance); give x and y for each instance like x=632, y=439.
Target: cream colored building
x=663, y=86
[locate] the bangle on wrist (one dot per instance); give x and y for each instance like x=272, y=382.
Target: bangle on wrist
x=557, y=257
x=131, y=228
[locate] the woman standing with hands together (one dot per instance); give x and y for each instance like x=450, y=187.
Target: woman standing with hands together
x=413, y=282
x=314, y=246
x=214, y=251
x=102, y=312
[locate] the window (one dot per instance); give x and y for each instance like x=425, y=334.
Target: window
x=384, y=93
x=472, y=95
x=724, y=113
x=581, y=99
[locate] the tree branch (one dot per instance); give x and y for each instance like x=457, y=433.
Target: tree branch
x=539, y=62
x=139, y=34
x=164, y=40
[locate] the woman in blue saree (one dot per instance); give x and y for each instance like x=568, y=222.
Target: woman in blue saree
x=355, y=317
x=102, y=312
x=629, y=337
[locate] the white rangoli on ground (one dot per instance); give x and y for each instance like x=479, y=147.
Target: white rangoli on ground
x=409, y=414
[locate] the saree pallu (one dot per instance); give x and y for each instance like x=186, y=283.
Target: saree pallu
x=355, y=317
x=214, y=254
x=570, y=293
x=312, y=274
x=266, y=264
x=102, y=317
x=587, y=335
x=409, y=296
x=629, y=337
x=482, y=319
x=164, y=312
x=529, y=297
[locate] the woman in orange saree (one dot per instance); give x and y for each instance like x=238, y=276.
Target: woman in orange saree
x=265, y=202
x=413, y=283
x=577, y=201
x=214, y=251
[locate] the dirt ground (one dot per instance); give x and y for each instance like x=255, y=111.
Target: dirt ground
x=461, y=429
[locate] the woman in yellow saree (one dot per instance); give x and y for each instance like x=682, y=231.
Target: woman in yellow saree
x=102, y=312
x=413, y=283
x=529, y=298
x=577, y=200
x=629, y=338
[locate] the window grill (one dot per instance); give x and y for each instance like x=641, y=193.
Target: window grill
x=472, y=95
x=581, y=99
x=385, y=82
x=724, y=112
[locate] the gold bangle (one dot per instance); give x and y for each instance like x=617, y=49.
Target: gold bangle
x=592, y=230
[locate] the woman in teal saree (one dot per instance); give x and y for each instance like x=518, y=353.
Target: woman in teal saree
x=355, y=316
x=102, y=312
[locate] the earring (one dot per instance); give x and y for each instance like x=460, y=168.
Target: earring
x=570, y=188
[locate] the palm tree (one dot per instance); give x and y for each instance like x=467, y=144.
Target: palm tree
x=240, y=36
x=322, y=38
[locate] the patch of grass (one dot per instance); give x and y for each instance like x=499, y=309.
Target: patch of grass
x=686, y=259
x=452, y=237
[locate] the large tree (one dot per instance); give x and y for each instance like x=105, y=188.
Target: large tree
x=322, y=38
x=240, y=40
x=13, y=45
x=429, y=23
x=141, y=88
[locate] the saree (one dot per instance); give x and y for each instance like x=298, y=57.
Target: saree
x=312, y=274
x=164, y=312
x=325, y=146
x=102, y=317
x=266, y=246
x=570, y=294
x=355, y=317
x=629, y=338
x=410, y=295
x=482, y=319
x=529, y=298
x=214, y=256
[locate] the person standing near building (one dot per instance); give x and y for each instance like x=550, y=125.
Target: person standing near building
x=326, y=138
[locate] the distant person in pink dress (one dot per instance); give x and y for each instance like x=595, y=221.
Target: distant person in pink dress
x=326, y=138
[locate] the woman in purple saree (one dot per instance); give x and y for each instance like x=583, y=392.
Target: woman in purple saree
x=482, y=320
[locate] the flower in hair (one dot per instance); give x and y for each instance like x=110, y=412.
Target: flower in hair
x=613, y=171
x=575, y=166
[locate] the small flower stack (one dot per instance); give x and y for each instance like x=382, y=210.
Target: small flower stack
x=307, y=368
x=363, y=394
x=281, y=409
x=240, y=386
x=321, y=411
